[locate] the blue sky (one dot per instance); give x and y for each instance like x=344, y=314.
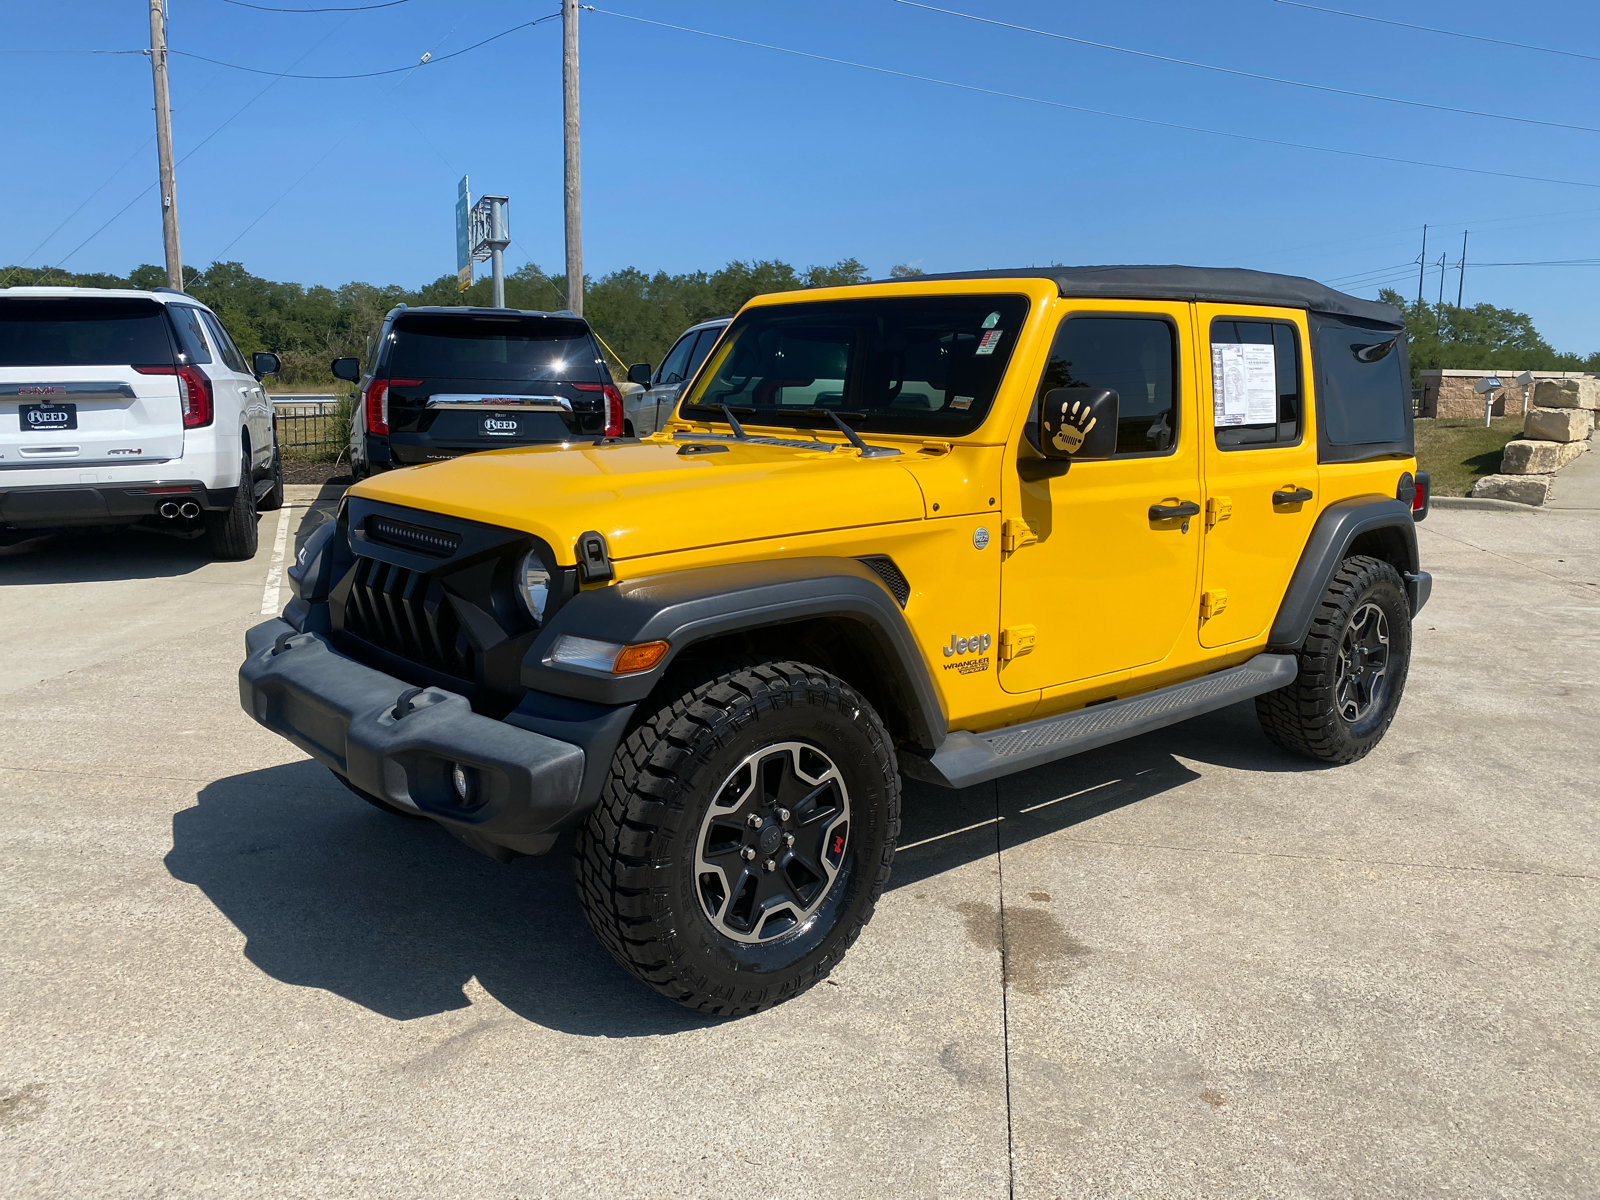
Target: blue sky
x=697, y=151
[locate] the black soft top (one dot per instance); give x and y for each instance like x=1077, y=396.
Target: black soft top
x=1228, y=285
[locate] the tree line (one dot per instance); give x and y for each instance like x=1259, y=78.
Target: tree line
x=638, y=315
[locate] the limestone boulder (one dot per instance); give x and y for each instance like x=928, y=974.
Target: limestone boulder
x=1558, y=424
x=1524, y=457
x=1520, y=489
x=1567, y=393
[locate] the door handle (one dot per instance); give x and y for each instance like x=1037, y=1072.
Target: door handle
x=1171, y=512
x=1297, y=495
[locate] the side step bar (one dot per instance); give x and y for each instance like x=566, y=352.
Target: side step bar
x=968, y=758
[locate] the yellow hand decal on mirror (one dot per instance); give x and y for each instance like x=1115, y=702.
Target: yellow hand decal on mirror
x=1075, y=426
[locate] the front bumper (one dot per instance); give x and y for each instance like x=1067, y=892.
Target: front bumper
x=523, y=786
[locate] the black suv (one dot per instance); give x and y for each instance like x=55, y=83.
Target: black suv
x=443, y=382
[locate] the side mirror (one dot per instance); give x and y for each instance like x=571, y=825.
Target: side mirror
x=348, y=369
x=1078, y=424
x=639, y=373
x=264, y=362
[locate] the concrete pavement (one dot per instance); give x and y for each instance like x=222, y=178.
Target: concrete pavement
x=1187, y=965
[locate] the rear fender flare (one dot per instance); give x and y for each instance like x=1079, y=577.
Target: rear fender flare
x=685, y=608
x=1337, y=530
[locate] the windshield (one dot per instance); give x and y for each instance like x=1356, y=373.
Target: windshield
x=554, y=349
x=921, y=365
x=82, y=333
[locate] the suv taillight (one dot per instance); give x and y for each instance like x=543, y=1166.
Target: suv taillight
x=613, y=405
x=377, y=402
x=194, y=393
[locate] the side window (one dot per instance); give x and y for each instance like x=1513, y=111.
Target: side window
x=186, y=323
x=1364, y=396
x=230, y=352
x=1134, y=356
x=708, y=339
x=675, y=367
x=1256, y=393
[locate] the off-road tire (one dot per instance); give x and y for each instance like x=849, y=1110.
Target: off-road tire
x=634, y=860
x=272, y=501
x=1305, y=717
x=232, y=534
x=377, y=801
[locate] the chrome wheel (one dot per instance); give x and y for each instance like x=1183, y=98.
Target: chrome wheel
x=1363, y=663
x=771, y=844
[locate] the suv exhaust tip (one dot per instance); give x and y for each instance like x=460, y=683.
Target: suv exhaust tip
x=169, y=510
x=188, y=510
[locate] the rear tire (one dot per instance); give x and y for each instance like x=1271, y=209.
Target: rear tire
x=1353, y=667
x=232, y=534
x=273, y=500
x=781, y=760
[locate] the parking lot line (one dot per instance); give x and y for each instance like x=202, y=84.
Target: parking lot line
x=269, y=594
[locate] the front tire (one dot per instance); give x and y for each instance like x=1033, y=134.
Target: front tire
x=232, y=534
x=742, y=838
x=1353, y=667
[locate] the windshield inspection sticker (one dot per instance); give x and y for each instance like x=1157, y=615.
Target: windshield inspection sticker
x=1244, y=385
x=991, y=339
x=962, y=402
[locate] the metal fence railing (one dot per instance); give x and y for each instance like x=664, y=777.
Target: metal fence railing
x=312, y=429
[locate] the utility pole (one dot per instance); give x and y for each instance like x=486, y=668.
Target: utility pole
x=574, y=201
x=1438, y=319
x=1422, y=263
x=169, y=183
x=1461, y=279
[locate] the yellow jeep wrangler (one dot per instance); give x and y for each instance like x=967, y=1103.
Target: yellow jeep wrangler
x=950, y=527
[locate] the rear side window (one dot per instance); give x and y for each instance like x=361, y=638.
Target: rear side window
x=675, y=367
x=494, y=348
x=708, y=339
x=1255, y=383
x=1134, y=356
x=186, y=324
x=38, y=332
x=230, y=352
x=1364, y=396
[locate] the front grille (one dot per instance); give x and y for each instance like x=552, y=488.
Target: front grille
x=899, y=587
x=406, y=536
x=408, y=614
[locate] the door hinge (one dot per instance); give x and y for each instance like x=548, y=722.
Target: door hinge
x=1015, y=534
x=1218, y=508
x=1213, y=603
x=1016, y=641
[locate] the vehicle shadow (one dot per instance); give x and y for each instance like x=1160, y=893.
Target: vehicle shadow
x=94, y=556
x=395, y=915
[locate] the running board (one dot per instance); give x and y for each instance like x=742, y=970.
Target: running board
x=968, y=758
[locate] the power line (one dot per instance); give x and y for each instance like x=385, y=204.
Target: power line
x=427, y=59
x=1101, y=112
x=361, y=8
x=1471, y=37
x=1188, y=62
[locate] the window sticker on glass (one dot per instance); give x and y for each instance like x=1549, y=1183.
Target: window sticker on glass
x=1244, y=385
x=991, y=320
x=961, y=403
x=989, y=341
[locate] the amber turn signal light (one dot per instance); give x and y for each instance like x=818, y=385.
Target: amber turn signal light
x=639, y=658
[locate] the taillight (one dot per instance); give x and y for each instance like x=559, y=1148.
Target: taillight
x=377, y=402
x=1423, y=498
x=194, y=393
x=613, y=405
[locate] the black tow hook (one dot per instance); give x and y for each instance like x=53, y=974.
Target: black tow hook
x=404, y=706
x=282, y=643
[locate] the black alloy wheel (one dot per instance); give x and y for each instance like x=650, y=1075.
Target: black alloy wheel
x=1353, y=667
x=743, y=837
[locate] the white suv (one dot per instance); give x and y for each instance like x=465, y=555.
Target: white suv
x=122, y=407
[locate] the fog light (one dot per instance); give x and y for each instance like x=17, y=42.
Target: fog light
x=461, y=782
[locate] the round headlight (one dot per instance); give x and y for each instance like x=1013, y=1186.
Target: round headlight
x=533, y=585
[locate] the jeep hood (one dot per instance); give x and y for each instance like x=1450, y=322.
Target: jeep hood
x=647, y=498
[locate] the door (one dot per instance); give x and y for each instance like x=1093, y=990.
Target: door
x=1260, y=461
x=674, y=369
x=252, y=396
x=1094, y=570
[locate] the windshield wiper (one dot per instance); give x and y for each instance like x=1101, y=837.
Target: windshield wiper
x=733, y=423
x=855, y=438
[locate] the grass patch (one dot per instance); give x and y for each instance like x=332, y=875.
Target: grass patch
x=1456, y=451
